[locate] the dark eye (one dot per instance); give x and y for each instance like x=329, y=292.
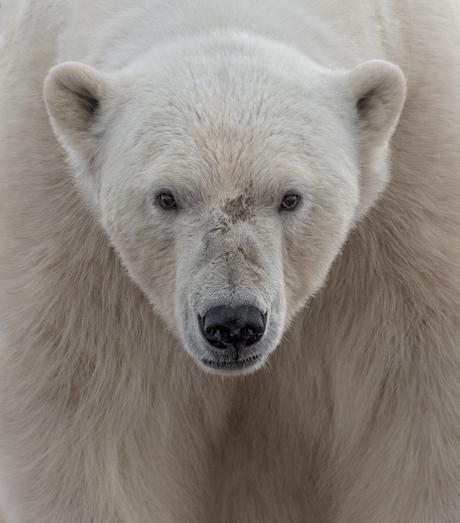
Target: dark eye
x=166, y=201
x=290, y=202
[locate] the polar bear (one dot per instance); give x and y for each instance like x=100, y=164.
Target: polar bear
x=230, y=287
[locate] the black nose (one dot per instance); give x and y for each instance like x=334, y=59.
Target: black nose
x=239, y=326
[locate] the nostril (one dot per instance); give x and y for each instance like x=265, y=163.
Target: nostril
x=216, y=336
x=232, y=326
x=250, y=335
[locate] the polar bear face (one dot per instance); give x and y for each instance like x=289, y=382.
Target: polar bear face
x=227, y=175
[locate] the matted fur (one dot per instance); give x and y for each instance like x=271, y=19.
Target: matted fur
x=356, y=416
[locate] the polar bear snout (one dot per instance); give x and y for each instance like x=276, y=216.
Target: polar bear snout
x=229, y=328
x=230, y=299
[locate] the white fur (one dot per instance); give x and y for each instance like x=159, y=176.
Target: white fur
x=355, y=417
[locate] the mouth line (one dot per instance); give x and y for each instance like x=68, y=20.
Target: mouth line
x=232, y=364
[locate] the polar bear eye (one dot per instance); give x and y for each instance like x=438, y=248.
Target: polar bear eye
x=166, y=201
x=290, y=202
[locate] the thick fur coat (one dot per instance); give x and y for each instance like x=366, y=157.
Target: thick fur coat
x=355, y=417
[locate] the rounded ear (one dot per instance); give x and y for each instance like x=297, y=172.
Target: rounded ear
x=379, y=90
x=73, y=94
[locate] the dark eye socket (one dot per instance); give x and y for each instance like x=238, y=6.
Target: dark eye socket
x=166, y=201
x=290, y=202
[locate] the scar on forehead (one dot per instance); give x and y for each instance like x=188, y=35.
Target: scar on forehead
x=240, y=208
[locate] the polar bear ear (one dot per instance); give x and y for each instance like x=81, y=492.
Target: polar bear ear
x=379, y=90
x=378, y=93
x=74, y=94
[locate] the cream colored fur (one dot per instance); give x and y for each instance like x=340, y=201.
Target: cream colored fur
x=355, y=418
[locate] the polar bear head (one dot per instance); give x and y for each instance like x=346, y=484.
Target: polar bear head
x=227, y=172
